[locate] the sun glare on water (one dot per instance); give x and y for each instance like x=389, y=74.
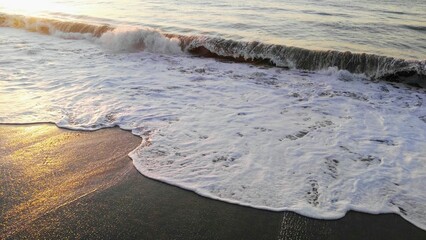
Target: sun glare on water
x=35, y=7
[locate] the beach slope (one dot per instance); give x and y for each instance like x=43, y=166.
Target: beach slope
x=62, y=184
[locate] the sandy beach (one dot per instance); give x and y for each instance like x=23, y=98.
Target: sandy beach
x=62, y=184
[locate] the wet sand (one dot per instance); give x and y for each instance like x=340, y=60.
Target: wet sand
x=62, y=184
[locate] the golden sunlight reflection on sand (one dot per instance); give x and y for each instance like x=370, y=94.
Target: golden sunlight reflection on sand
x=44, y=168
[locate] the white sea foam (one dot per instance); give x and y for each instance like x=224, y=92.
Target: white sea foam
x=130, y=39
x=318, y=143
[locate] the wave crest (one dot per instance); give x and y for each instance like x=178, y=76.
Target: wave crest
x=374, y=66
x=137, y=39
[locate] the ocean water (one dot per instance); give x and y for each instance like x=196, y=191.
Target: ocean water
x=307, y=106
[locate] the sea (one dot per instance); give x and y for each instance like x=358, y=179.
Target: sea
x=311, y=106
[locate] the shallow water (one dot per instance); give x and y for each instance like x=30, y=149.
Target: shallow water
x=316, y=142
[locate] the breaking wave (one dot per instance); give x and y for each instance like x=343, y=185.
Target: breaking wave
x=129, y=39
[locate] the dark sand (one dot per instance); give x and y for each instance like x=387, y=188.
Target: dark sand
x=61, y=184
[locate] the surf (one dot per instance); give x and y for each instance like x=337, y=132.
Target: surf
x=131, y=39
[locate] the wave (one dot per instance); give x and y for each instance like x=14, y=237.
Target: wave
x=49, y=26
x=136, y=39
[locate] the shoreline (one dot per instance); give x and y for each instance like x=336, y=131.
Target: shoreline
x=59, y=183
